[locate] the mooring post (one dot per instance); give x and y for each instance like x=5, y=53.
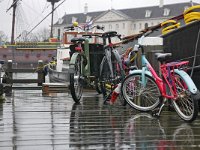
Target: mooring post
x=41, y=76
x=1, y=85
x=9, y=78
x=9, y=72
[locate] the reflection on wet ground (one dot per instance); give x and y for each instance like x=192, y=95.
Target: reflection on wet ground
x=32, y=121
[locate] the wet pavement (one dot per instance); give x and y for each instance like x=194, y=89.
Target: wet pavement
x=30, y=120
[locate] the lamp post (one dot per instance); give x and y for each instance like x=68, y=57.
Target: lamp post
x=52, y=3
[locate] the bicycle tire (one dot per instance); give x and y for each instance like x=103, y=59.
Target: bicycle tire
x=142, y=99
x=76, y=87
x=107, y=83
x=185, y=105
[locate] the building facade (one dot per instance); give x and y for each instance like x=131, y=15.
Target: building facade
x=124, y=21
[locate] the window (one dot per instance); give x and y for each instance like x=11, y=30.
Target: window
x=88, y=19
x=140, y=26
x=148, y=13
x=50, y=55
x=124, y=25
x=146, y=25
x=59, y=34
x=186, y=7
x=60, y=21
x=134, y=26
x=27, y=55
x=117, y=26
x=74, y=19
x=38, y=55
x=166, y=12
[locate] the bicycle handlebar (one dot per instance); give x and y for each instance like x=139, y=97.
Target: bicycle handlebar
x=100, y=28
x=87, y=28
x=111, y=34
x=84, y=28
x=69, y=28
x=91, y=35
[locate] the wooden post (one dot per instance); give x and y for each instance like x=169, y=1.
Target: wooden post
x=9, y=78
x=41, y=76
x=1, y=89
x=9, y=72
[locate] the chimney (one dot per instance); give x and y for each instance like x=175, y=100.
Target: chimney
x=161, y=3
x=85, y=9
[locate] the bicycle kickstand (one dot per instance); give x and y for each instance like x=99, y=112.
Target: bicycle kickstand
x=157, y=111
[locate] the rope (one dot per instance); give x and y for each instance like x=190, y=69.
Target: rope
x=192, y=14
x=169, y=26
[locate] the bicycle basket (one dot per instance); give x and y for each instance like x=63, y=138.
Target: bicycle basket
x=96, y=55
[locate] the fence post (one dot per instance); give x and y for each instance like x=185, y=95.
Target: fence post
x=41, y=76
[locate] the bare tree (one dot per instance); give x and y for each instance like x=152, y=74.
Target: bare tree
x=3, y=37
x=43, y=34
x=23, y=36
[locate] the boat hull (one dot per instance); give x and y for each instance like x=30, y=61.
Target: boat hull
x=58, y=77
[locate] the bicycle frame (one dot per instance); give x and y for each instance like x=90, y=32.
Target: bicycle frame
x=108, y=54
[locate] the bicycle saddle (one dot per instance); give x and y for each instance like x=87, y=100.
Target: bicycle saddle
x=74, y=40
x=2, y=62
x=163, y=56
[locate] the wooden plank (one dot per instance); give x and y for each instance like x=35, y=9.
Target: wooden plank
x=21, y=70
x=26, y=87
x=25, y=81
x=54, y=87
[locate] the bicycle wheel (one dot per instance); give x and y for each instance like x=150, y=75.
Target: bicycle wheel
x=76, y=87
x=185, y=104
x=107, y=82
x=139, y=97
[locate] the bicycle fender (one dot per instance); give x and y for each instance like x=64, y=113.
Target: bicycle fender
x=140, y=72
x=72, y=62
x=192, y=87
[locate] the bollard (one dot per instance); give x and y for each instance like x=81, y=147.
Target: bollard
x=1, y=89
x=9, y=72
x=41, y=76
x=9, y=78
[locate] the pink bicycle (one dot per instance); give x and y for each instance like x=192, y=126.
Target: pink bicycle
x=144, y=90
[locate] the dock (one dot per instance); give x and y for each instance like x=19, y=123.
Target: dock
x=30, y=120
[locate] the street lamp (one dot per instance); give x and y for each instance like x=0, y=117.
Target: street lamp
x=52, y=3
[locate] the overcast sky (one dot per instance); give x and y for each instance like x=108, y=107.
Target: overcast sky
x=31, y=12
